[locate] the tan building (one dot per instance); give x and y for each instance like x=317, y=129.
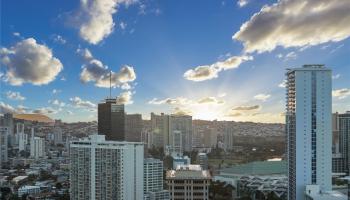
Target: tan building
x=188, y=183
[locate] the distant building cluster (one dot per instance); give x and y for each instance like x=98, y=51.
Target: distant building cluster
x=122, y=156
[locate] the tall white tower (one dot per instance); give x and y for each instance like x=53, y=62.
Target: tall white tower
x=105, y=169
x=309, y=129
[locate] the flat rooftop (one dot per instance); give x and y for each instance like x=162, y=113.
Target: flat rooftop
x=258, y=168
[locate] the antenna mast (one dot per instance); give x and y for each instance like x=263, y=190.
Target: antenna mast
x=110, y=84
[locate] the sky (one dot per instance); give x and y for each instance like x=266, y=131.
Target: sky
x=212, y=59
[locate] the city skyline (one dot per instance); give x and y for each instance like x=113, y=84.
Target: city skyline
x=214, y=60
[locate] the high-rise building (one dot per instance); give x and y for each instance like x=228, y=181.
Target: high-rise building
x=344, y=139
x=182, y=123
x=159, y=130
x=228, y=137
x=308, y=127
x=153, y=180
x=102, y=169
x=37, y=147
x=133, y=127
x=340, y=147
x=188, y=182
x=22, y=137
x=7, y=121
x=4, y=132
x=57, y=133
x=111, y=120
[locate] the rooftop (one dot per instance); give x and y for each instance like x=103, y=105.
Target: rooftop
x=258, y=168
x=191, y=172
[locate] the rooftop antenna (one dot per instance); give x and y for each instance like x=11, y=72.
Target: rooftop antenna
x=110, y=84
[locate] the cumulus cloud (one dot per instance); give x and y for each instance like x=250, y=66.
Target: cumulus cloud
x=242, y=3
x=185, y=101
x=15, y=96
x=45, y=111
x=57, y=102
x=171, y=101
x=181, y=111
x=6, y=108
x=245, y=108
x=262, y=97
x=210, y=100
x=29, y=62
x=95, y=71
x=125, y=98
x=297, y=23
x=207, y=72
x=79, y=103
x=95, y=18
x=341, y=93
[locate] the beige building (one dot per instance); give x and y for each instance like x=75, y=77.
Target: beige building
x=188, y=182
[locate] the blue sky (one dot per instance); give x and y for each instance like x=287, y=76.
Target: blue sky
x=154, y=49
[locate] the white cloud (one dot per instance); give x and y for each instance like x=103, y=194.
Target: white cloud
x=210, y=100
x=185, y=101
x=242, y=3
x=171, y=101
x=336, y=76
x=95, y=71
x=341, y=93
x=58, y=39
x=29, y=62
x=96, y=18
x=291, y=55
x=208, y=72
x=262, y=97
x=126, y=86
x=17, y=34
x=69, y=112
x=295, y=23
x=283, y=84
x=125, y=98
x=123, y=25
x=79, y=103
x=57, y=102
x=56, y=91
x=6, y=108
x=15, y=96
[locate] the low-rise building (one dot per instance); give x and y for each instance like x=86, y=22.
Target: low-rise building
x=28, y=189
x=188, y=182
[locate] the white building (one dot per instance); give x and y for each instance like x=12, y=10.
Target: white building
x=103, y=169
x=309, y=129
x=153, y=180
x=188, y=182
x=4, y=133
x=22, y=137
x=28, y=189
x=37, y=147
